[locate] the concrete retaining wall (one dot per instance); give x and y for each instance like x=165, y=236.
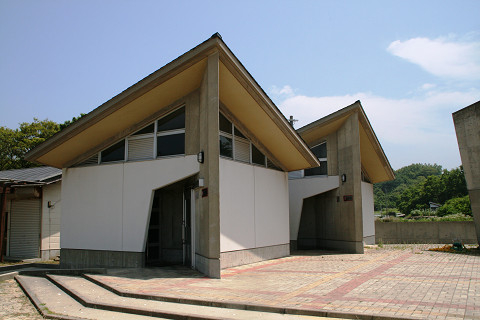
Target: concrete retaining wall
x=425, y=232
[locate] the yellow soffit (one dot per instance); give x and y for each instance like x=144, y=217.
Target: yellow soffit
x=126, y=118
x=376, y=169
x=266, y=124
x=373, y=157
x=374, y=160
x=312, y=134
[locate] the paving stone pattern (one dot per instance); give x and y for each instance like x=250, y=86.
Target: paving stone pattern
x=14, y=305
x=402, y=281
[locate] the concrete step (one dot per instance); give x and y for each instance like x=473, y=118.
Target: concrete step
x=91, y=295
x=96, y=279
x=53, y=303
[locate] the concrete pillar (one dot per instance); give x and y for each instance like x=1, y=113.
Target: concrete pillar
x=349, y=164
x=208, y=211
x=467, y=128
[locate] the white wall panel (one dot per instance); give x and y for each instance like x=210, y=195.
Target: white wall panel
x=237, y=206
x=107, y=207
x=253, y=206
x=51, y=216
x=368, y=210
x=92, y=207
x=271, y=207
x=141, y=179
x=300, y=189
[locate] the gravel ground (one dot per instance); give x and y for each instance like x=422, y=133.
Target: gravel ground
x=14, y=304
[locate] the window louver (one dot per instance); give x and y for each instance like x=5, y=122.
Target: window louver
x=140, y=149
x=242, y=150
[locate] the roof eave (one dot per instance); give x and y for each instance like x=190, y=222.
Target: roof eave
x=167, y=72
x=227, y=56
x=345, y=112
x=141, y=87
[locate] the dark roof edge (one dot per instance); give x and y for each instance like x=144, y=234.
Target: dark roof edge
x=343, y=111
x=459, y=111
x=370, y=128
x=267, y=98
x=47, y=145
x=332, y=116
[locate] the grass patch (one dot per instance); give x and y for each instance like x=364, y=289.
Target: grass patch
x=451, y=217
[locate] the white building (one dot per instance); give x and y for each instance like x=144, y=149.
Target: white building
x=189, y=165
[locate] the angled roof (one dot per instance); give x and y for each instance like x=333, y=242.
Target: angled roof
x=31, y=175
x=144, y=102
x=373, y=158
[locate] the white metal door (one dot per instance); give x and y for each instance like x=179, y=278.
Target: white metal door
x=24, y=233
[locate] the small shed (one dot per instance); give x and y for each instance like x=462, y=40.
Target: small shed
x=30, y=213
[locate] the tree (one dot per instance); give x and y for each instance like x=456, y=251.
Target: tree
x=456, y=205
x=14, y=144
x=9, y=153
x=439, y=189
x=69, y=122
x=388, y=194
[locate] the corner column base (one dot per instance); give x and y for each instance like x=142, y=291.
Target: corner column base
x=247, y=256
x=208, y=266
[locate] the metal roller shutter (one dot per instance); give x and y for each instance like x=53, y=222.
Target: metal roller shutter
x=25, y=229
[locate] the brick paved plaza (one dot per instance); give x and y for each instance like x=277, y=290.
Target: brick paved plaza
x=401, y=281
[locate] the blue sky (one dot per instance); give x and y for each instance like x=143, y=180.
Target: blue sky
x=411, y=63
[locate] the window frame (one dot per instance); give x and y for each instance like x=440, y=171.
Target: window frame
x=321, y=160
x=233, y=136
x=154, y=135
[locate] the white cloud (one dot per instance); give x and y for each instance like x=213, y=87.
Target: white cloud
x=410, y=130
x=443, y=57
x=284, y=92
x=428, y=86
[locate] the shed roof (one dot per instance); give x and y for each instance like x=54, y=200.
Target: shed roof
x=31, y=175
x=373, y=158
x=142, y=102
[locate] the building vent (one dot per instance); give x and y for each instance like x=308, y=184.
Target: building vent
x=90, y=161
x=242, y=150
x=140, y=149
x=271, y=165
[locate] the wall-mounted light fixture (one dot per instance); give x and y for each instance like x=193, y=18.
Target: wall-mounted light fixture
x=344, y=177
x=200, y=157
x=49, y=204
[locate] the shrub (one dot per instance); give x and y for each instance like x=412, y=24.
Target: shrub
x=456, y=217
x=419, y=213
x=454, y=206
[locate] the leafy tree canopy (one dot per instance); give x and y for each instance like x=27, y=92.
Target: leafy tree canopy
x=14, y=143
x=69, y=122
x=387, y=194
x=417, y=185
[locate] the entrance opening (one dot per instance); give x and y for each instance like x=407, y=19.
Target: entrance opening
x=169, y=238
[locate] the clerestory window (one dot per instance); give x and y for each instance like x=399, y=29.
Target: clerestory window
x=320, y=151
x=235, y=145
x=164, y=137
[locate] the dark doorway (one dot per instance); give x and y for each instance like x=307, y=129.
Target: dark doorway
x=169, y=231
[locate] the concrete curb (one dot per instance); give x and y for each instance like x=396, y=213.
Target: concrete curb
x=15, y=267
x=8, y=276
x=119, y=308
x=239, y=306
x=38, y=305
x=67, y=272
